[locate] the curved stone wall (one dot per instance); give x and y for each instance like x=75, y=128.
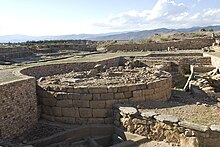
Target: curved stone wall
x=91, y=105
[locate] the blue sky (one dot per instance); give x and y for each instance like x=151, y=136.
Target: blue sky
x=59, y=17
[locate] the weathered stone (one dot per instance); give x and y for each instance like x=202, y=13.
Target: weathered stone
x=137, y=93
x=74, y=96
x=96, y=120
x=57, y=111
x=98, y=90
x=141, y=86
x=122, y=89
x=64, y=103
x=215, y=128
x=97, y=104
x=107, y=96
x=100, y=113
x=149, y=114
x=85, y=96
x=189, y=142
x=128, y=94
x=70, y=112
x=112, y=89
x=47, y=110
x=81, y=103
x=194, y=126
x=128, y=110
x=81, y=120
x=96, y=96
x=119, y=95
x=110, y=103
x=82, y=90
x=109, y=120
x=49, y=101
x=167, y=118
x=85, y=112
x=68, y=120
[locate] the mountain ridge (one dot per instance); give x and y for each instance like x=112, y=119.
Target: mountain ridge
x=131, y=35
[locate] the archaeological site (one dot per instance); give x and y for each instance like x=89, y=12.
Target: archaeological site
x=82, y=93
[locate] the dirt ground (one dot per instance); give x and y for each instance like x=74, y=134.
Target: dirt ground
x=203, y=111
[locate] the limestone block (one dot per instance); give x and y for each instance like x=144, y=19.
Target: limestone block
x=122, y=89
x=109, y=120
x=119, y=95
x=98, y=90
x=128, y=110
x=81, y=103
x=85, y=96
x=167, y=118
x=70, y=112
x=128, y=94
x=141, y=86
x=151, y=85
x=132, y=87
x=109, y=103
x=138, y=93
x=61, y=95
x=107, y=96
x=68, y=120
x=57, y=111
x=96, y=121
x=49, y=101
x=97, y=104
x=74, y=96
x=148, y=92
x=64, y=103
x=96, y=96
x=102, y=113
x=112, y=89
x=47, y=110
x=193, y=126
x=82, y=90
x=85, y=112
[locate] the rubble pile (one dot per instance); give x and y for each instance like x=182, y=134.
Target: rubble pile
x=131, y=72
x=208, y=82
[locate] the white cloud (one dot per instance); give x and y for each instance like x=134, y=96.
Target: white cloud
x=166, y=13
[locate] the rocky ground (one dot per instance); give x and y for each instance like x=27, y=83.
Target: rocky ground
x=184, y=106
x=132, y=73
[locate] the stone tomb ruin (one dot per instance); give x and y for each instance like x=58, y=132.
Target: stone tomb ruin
x=87, y=96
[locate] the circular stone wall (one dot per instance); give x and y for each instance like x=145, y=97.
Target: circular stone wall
x=92, y=104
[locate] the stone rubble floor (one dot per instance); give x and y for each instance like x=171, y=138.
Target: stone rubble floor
x=114, y=76
x=204, y=111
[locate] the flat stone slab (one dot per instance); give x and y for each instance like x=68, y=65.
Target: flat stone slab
x=149, y=114
x=167, y=118
x=215, y=128
x=193, y=126
x=128, y=110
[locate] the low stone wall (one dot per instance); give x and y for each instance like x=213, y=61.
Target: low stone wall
x=165, y=128
x=214, y=59
x=93, y=105
x=18, y=111
x=53, y=69
x=182, y=45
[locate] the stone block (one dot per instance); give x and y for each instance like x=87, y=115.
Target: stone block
x=215, y=128
x=151, y=85
x=138, y=93
x=70, y=112
x=102, y=113
x=193, y=126
x=112, y=89
x=106, y=96
x=61, y=95
x=57, y=111
x=81, y=103
x=166, y=118
x=85, y=96
x=109, y=120
x=96, y=121
x=119, y=95
x=70, y=90
x=128, y=94
x=81, y=121
x=122, y=89
x=49, y=101
x=141, y=86
x=109, y=103
x=82, y=90
x=132, y=87
x=74, y=96
x=128, y=110
x=96, y=96
x=137, y=99
x=149, y=114
x=97, y=104
x=48, y=117
x=64, y=103
x=98, y=90
x=85, y=112
x=47, y=110
x=68, y=120
x=148, y=92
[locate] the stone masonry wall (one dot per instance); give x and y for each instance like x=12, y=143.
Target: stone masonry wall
x=18, y=107
x=166, y=128
x=182, y=45
x=93, y=105
x=214, y=59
